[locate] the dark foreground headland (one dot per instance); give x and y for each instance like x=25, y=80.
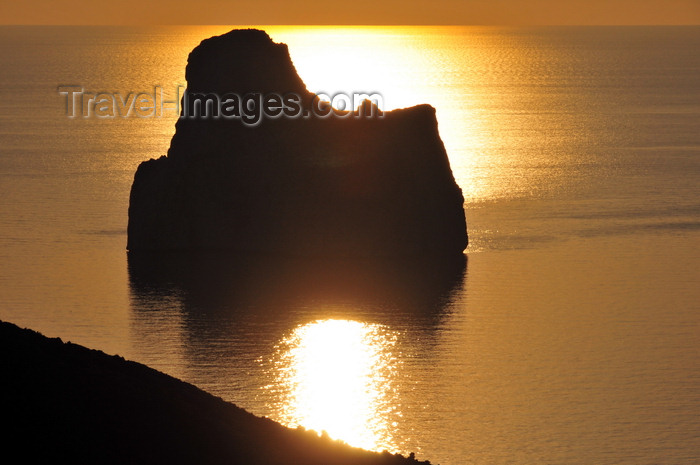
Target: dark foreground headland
x=64, y=403
x=298, y=183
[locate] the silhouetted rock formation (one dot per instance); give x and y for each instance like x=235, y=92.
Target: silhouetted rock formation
x=336, y=185
x=64, y=403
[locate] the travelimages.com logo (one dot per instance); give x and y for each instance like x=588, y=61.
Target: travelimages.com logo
x=250, y=108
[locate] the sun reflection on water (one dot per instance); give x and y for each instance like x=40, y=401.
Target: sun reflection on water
x=338, y=376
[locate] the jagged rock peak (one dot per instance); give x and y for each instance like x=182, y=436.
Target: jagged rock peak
x=242, y=60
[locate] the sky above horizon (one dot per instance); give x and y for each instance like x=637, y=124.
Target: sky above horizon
x=358, y=12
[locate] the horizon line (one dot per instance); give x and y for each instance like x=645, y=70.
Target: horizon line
x=356, y=25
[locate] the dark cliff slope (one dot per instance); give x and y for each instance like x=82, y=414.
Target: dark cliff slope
x=329, y=186
x=64, y=403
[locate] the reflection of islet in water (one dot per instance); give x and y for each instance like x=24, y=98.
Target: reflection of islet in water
x=338, y=376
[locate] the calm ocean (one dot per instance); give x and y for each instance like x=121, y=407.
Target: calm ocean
x=570, y=336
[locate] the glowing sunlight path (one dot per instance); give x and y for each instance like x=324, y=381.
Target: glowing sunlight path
x=336, y=376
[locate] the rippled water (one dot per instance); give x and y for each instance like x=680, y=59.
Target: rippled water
x=568, y=335
x=337, y=376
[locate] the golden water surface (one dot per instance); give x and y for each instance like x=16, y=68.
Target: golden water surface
x=570, y=335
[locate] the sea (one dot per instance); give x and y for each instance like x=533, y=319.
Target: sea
x=570, y=332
